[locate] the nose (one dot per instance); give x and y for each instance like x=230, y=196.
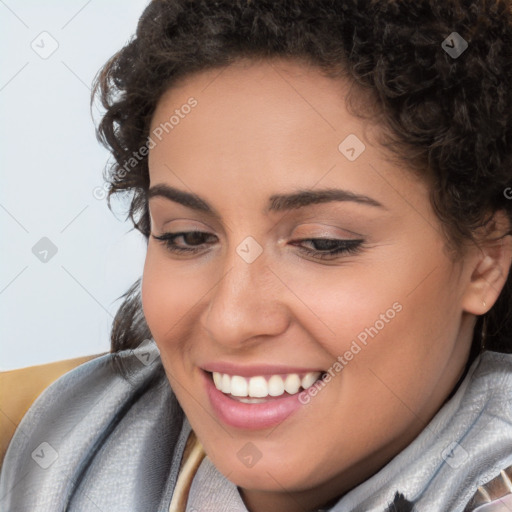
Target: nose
x=246, y=305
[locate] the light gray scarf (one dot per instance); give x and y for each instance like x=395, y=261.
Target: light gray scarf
x=109, y=435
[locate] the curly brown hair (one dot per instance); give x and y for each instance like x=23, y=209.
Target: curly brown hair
x=449, y=117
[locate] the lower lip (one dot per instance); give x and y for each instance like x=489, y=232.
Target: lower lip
x=250, y=416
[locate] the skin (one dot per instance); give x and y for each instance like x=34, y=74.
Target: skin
x=296, y=309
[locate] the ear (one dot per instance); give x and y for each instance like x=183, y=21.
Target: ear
x=490, y=265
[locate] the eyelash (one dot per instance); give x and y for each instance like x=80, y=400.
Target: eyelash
x=343, y=246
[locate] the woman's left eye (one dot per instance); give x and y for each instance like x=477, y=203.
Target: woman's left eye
x=323, y=247
x=331, y=247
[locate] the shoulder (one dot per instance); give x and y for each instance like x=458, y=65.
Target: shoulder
x=94, y=406
x=492, y=379
x=19, y=389
x=495, y=361
x=483, y=454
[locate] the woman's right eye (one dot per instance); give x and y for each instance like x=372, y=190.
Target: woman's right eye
x=195, y=239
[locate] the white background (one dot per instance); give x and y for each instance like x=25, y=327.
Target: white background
x=51, y=163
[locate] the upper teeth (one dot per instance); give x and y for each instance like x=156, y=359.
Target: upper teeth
x=260, y=387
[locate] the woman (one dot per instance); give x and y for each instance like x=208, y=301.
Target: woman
x=325, y=310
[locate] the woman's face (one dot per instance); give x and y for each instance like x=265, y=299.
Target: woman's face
x=247, y=156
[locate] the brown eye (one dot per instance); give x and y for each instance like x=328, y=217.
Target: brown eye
x=329, y=247
x=195, y=239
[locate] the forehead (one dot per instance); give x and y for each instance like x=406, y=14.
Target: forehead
x=262, y=123
x=253, y=103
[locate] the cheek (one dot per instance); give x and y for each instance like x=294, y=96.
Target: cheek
x=168, y=296
x=341, y=306
x=396, y=322
x=409, y=361
x=155, y=300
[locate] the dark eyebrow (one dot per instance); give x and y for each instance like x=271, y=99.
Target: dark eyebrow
x=277, y=202
x=179, y=196
x=301, y=198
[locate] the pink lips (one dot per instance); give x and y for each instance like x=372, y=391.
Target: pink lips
x=250, y=416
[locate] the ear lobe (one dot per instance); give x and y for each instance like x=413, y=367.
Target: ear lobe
x=493, y=258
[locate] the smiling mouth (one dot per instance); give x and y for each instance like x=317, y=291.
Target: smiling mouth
x=260, y=389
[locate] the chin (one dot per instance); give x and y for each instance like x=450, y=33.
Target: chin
x=269, y=476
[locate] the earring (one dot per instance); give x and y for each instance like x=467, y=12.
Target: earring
x=485, y=304
x=483, y=334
